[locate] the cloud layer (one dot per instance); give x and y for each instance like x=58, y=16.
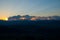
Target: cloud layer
x=27, y=17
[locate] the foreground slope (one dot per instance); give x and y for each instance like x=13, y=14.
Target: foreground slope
x=40, y=29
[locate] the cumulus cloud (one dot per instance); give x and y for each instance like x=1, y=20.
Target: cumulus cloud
x=27, y=17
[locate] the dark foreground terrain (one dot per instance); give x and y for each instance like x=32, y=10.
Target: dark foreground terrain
x=29, y=30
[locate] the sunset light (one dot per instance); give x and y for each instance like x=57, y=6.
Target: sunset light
x=23, y=18
x=4, y=19
x=33, y=18
x=30, y=19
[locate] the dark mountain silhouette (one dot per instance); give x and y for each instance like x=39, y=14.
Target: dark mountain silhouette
x=29, y=30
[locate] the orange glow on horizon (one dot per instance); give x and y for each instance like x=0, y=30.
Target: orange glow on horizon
x=33, y=18
x=23, y=18
x=4, y=19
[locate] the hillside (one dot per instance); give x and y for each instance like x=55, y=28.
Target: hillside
x=37, y=30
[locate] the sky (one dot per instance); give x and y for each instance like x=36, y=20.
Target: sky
x=29, y=7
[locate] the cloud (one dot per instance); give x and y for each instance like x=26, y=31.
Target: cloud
x=27, y=17
x=18, y=17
